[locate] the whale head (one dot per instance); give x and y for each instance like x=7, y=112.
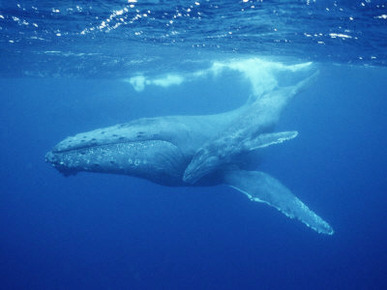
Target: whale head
x=157, y=160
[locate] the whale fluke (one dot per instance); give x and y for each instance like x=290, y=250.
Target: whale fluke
x=261, y=187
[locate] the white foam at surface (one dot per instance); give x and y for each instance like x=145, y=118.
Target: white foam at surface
x=263, y=75
x=139, y=82
x=168, y=80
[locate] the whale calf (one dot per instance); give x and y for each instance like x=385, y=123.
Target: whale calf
x=206, y=150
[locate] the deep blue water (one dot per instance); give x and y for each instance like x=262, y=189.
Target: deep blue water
x=96, y=231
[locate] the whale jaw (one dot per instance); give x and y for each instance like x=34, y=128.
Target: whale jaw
x=56, y=162
x=155, y=160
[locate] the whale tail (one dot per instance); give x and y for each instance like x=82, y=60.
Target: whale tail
x=261, y=187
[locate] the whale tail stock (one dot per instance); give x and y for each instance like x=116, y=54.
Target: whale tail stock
x=261, y=187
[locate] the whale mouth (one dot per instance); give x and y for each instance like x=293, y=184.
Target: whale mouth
x=157, y=160
x=70, y=155
x=54, y=159
x=96, y=157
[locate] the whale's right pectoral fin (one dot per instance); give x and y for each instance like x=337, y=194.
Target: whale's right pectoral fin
x=261, y=187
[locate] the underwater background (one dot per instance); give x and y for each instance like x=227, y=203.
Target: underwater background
x=73, y=66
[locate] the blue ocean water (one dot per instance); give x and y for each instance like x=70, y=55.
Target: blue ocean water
x=72, y=67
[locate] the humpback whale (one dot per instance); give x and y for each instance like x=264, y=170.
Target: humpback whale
x=205, y=150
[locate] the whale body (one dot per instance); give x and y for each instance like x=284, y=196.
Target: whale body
x=203, y=150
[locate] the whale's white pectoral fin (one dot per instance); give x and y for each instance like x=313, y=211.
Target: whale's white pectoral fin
x=261, y=187
x=268, y=139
